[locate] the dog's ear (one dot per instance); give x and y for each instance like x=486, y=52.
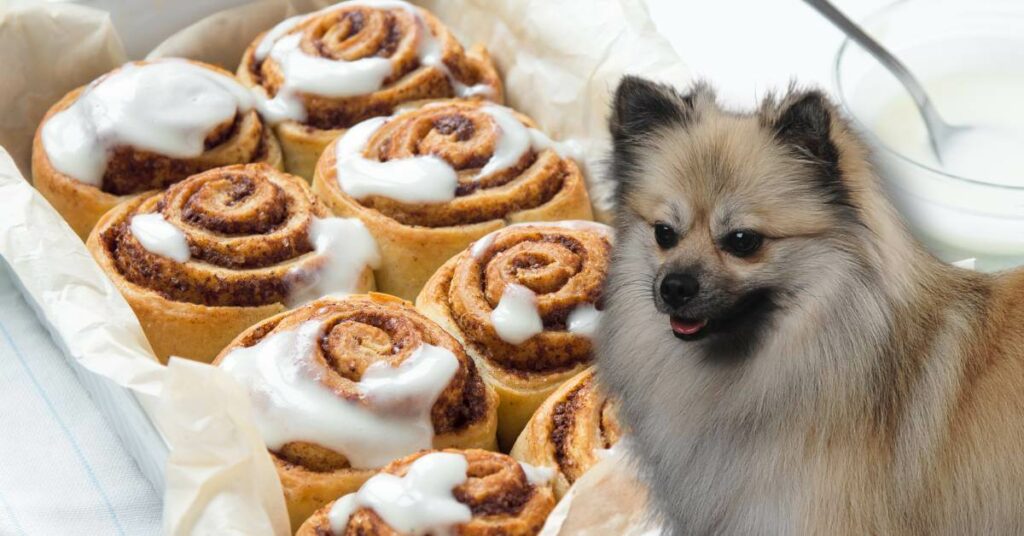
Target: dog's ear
x=641, y=106
x=804, y=122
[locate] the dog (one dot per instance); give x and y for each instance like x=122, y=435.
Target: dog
x=788, y=359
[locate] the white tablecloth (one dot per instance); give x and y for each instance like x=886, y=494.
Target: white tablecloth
x=62, y=469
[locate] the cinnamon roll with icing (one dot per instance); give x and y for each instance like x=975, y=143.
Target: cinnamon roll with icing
x=144, y=126
x=466, y=492
x=525, y=301
x=571, y=431
x=341, y=387
x=318, y=74
x=430, y=180
x=224, y=249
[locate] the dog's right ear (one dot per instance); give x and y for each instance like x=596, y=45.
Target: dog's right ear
x=642, y=106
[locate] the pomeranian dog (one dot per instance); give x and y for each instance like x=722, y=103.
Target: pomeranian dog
x=788, y=358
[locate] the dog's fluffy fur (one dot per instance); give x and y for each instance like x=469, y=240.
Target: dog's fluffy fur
x=848, y=382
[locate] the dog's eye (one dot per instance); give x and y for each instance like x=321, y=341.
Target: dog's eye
x=742, y=243
x=665, y=235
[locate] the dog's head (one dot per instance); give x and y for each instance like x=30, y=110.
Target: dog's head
x=728, y=218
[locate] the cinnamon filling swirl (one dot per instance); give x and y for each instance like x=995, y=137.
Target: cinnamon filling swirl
x=356, y=335
x=565, y=268
x=404, y=52
x=242, y=224
x=493, y=487
x=501, y=163
x=581, y=422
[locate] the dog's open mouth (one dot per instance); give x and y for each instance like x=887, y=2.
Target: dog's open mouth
x=688, y=329
x=743, y=318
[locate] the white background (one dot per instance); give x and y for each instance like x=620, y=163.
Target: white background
x=747, y=47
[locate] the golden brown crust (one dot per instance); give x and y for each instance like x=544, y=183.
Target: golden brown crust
x=352, y=32
x=500, y=496
x=130, y=171
x=565, y=267
x=569, y=430
x=247, y=227
x=416, y=238
x=359, y=331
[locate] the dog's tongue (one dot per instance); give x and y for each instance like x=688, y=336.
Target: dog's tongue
x=687, y=327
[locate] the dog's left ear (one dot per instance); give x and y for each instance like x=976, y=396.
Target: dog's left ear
x=804, y=122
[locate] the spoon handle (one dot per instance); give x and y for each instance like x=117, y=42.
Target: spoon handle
x=936, y=126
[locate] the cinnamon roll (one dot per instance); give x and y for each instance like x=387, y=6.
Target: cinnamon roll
x=570, y=431
x=341, y=387
x=430, y=180
x=144, y=126
x=224, y=249
x=319, y=74
x=525, y=301
x=467, y=492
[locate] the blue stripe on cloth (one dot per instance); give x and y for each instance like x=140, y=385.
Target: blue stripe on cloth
x=64, y=428
x=10, y=514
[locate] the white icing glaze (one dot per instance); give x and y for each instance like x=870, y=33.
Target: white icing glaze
x=515, y=139
x=567, y=149
x=278, y=31
x=484, y=243
x=422, y=179
x=516, y=318
x=584, y=319
x=167, y=107
x=290, y=404
x=347, y=248
x=307, y=74
x=512, y=143
x=536, y=474
x=160, y=237
x=304, y=73
x=427, y=178
x=419, y=503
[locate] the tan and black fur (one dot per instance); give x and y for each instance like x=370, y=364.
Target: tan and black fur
x=847, y=382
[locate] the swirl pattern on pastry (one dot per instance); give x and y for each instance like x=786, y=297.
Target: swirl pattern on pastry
x=570, y=431
x=525, y=301
x=430, y=180
x=179, y=107
x=144, y=126
x=365, y=380
x=488, y=493
x=491, y=161
x=354, y=60
x=224, y=249
x=248, y=230
x=563, y=265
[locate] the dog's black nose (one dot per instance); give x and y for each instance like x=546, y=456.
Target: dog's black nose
x=677, y=289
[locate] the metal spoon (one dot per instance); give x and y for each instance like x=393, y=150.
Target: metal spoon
x=939, y=131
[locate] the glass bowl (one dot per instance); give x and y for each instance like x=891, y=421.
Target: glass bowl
x=957, y=217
